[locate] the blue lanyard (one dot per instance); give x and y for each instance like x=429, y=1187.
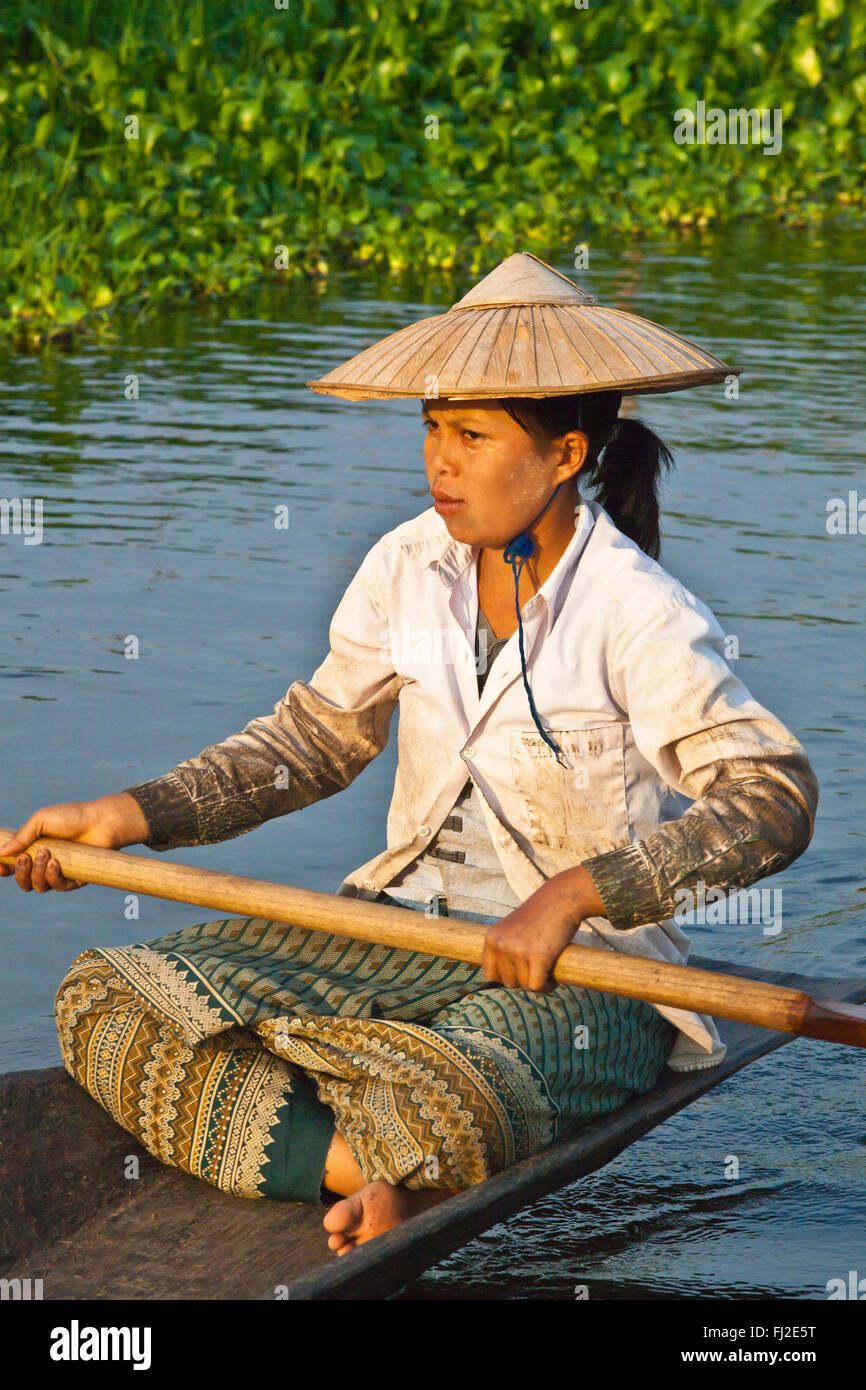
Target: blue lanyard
x=515, y=554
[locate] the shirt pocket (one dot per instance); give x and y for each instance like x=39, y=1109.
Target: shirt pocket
x=582, y=807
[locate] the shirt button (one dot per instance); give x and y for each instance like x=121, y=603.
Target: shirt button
x=423, y=830
x=470, y=751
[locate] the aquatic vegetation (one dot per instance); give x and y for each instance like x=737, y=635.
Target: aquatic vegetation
x=159, y=148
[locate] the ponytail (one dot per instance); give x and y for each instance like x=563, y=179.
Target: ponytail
x=626, y=481
x=625, y=458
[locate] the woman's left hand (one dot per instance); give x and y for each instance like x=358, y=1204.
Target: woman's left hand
x=521, y=950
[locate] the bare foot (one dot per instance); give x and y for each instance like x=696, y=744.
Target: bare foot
x=374, y=1209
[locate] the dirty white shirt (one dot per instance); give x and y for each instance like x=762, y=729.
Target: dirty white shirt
x=629, y=676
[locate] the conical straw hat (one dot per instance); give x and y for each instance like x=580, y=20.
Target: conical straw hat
x=524, y=330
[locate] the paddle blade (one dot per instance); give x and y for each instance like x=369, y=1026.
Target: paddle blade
x=835, y=1022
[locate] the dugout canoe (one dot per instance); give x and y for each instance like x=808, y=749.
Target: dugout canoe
x=71, y=1216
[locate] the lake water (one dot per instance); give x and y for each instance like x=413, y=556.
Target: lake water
x=159, y=523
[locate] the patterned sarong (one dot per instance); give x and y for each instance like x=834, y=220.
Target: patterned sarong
x=234, y=1049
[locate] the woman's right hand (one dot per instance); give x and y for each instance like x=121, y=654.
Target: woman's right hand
x=110, y=822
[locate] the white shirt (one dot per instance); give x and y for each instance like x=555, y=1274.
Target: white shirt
x=623, y=662
x=628, y=674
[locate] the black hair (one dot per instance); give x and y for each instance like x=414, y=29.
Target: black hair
x=624, y=462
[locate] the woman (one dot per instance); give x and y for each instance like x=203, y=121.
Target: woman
x=272, y=1061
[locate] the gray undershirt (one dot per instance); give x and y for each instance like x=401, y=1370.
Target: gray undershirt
x=461, y=861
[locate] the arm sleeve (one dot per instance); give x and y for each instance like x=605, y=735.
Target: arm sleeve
x=754, y=793
x=319, y=738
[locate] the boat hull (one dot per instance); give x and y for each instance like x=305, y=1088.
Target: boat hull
x=78, y=1214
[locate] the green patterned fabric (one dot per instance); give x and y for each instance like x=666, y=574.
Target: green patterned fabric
x=234, y=1048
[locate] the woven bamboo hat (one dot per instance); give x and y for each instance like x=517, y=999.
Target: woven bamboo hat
x=524, y=330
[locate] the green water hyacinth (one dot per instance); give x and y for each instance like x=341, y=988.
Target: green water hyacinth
x=167, y=149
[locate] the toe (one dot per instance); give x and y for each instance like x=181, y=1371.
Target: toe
x=339, y=1245
x=343, y=1217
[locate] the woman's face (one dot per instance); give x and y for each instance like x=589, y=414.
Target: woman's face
x=498, y=477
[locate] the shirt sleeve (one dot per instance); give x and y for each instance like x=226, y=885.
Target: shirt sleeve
x=754, y=793
x=319, y=738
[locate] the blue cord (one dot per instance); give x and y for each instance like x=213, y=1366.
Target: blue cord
x=515, y=554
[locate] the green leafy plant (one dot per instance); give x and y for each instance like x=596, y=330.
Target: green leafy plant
x=159, y=149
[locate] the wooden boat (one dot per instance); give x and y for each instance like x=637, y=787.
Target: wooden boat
x=73, y=1217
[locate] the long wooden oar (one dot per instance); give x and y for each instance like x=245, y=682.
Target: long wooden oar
x=679, y=986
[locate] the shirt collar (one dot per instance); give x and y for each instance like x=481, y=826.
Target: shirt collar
x=450, y=558
x=440, y=551
x=556, y=586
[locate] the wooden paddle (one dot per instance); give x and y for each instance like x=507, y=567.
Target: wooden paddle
x=679, y=986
